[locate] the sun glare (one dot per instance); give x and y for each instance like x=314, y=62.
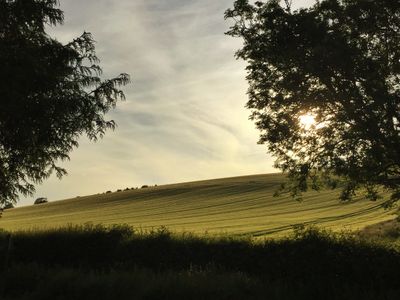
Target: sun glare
x=307, y=120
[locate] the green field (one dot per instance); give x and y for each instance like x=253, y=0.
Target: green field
x=239, y=206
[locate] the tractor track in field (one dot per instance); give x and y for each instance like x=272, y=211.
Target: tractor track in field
x=241, y=205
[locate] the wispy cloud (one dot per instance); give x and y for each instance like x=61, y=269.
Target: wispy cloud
x=184, y=117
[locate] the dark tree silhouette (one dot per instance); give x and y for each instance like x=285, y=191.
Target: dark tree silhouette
x=50, y=95
x=339, y=62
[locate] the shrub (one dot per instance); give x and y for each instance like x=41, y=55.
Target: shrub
x=316, y=262
x=8, y=206
x=41, y=200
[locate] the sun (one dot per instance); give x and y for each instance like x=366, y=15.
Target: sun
x=307, y=120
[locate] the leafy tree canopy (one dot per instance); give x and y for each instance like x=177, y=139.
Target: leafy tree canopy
x=337, y=62
x=50, y=95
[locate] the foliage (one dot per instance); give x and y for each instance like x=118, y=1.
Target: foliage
x=8, y=205
x=41, y=200
x=51, y=94
x=311, y=264
x=337, y=61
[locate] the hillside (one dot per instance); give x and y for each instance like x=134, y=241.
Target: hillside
x=239, y=205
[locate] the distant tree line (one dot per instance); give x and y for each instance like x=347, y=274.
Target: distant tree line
x=145, y=186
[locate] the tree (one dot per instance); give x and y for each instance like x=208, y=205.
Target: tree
x=50, y=95
x=336, y=63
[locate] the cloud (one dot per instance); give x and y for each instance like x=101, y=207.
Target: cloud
x=184, y=117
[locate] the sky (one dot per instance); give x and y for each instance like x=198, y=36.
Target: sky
x=184, y=117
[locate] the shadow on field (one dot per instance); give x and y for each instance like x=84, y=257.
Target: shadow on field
x=97, y=262
x=319, y=221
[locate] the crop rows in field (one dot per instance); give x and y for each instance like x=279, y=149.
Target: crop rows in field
x=239, y=205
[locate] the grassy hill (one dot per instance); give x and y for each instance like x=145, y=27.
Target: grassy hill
x=239, y=205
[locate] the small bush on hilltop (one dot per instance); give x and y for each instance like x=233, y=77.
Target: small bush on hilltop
x=8, y=206
x=41, y=200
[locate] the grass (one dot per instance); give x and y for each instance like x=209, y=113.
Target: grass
x=235, y=206
x=36, y=283
x=56, y=283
